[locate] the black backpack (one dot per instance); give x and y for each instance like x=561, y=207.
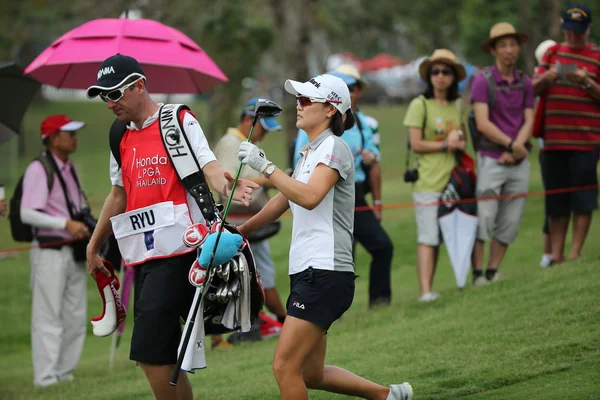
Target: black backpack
x=22, y=232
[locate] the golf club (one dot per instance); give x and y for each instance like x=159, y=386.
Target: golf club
x=263, y=109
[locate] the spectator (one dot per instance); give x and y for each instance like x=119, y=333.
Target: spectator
x=505, y=123
x=547, y=252
x=226, y=153
x=571, y=70
x=58, y=279
x=436, y=122
x=368, y=230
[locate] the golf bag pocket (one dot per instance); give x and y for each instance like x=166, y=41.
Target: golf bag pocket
x=151, y=232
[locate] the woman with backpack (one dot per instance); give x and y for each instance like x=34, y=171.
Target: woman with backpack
x=436, y=123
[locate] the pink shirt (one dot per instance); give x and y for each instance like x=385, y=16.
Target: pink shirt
x=36, y=196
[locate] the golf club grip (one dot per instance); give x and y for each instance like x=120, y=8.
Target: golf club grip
x=186, y=341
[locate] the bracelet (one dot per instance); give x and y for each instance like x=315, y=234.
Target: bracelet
x=377, y=202
x=444, y=145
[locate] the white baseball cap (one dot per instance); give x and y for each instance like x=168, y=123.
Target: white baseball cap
x=327, y=88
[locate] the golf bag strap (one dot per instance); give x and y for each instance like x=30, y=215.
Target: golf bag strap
x=408, y=148
x=116, y=133
x=184, y=160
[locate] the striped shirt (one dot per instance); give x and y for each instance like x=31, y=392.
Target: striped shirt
x=572, y=116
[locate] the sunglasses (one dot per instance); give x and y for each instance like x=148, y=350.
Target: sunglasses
x=307, y=101
x=117, y=94
x=443, y=71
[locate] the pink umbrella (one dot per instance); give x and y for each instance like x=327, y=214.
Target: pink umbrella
x=172, y=62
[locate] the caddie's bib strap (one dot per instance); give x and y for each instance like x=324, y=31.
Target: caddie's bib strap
x=184, y=160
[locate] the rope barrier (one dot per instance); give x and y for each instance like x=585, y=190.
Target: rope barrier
x=367, y=208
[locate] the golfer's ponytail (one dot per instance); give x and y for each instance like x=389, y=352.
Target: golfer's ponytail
x=339, y=125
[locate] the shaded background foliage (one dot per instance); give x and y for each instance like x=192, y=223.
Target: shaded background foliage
x=271, y=40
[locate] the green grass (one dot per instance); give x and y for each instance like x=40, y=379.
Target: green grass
x=533, y=336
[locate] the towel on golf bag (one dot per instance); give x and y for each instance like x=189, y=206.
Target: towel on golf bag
x=238, y=311
x=194, y=354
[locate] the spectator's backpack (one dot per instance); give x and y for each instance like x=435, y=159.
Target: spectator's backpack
x=22, y=232
x=480, y=142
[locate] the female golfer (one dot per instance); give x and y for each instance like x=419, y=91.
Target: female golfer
x=320, y=194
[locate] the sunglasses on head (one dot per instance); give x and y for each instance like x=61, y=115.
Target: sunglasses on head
x=116, y=94
x=307, y=101
x=443, y=71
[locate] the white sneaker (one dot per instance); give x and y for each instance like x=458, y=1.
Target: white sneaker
x=431, y=296
x=480, y=281
x=497, y=277
x=400, y=392
x=546, y=261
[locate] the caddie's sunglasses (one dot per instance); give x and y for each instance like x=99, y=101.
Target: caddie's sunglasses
x=118, y=93
x=443, y=71
x=307, y=101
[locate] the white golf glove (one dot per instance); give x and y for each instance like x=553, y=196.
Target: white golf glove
x=253, y=156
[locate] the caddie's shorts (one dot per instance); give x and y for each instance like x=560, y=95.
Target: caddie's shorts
x=569, y=169
x=320, y=296
x=162, y=299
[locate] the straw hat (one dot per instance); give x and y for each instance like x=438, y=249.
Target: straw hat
x=444, y=56
x=499, y=31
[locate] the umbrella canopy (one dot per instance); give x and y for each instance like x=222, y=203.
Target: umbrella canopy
x=459, y=231
x=172, y=62
x=16, y=92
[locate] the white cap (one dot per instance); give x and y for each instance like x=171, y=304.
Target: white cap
x=327, y=88
x=542, y=49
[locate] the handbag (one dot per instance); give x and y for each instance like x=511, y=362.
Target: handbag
x=265, y=232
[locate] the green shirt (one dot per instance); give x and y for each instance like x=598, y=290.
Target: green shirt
x=434, y=168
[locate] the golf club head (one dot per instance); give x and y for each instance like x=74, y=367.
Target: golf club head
x=266, y=108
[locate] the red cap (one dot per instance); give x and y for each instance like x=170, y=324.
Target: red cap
x=59, y=122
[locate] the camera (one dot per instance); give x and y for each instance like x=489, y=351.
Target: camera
x=85, y=216
x=79, y=246
x=411, y=175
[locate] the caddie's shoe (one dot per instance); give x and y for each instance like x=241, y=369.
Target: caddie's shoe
x=269, y=327
x=400, y=392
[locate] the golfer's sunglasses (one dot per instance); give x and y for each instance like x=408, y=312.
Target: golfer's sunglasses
x=307, y=101
x=118, y=93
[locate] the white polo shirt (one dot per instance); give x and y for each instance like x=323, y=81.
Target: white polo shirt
x=322, y=237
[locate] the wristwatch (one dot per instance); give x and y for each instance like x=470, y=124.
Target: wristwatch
x=588, y=85
x=269, y=170
x=510, y=146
